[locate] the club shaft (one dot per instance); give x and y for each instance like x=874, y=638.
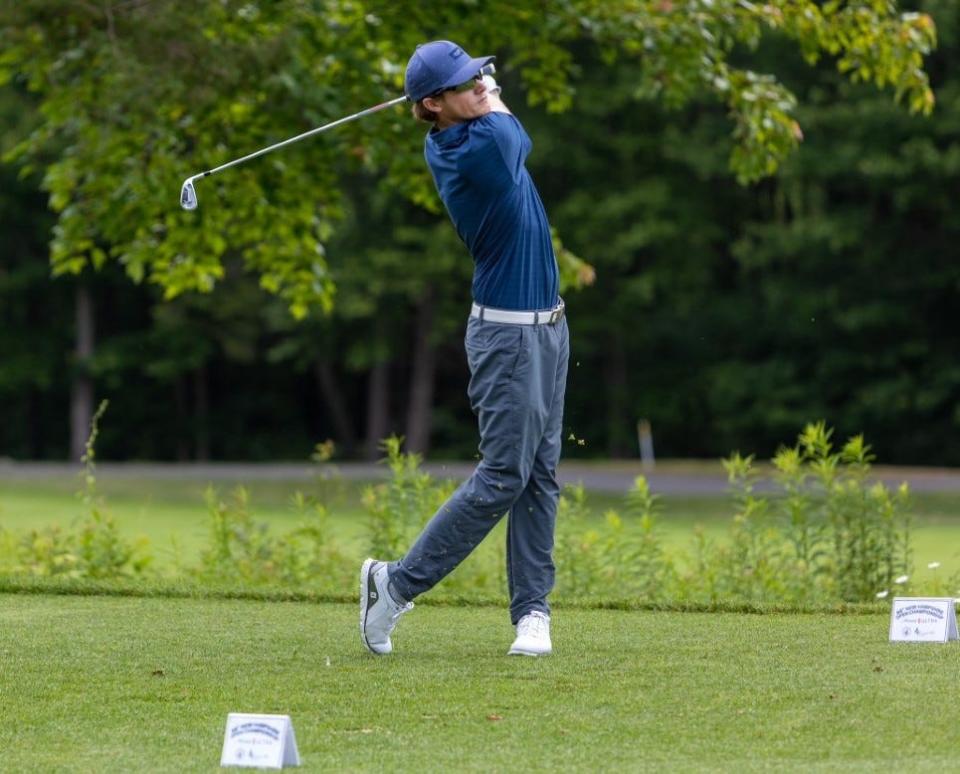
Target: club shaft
x=368, y=111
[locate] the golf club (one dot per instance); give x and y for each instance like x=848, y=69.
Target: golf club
x=188, y=194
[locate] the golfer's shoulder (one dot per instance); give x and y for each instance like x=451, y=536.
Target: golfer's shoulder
x=495, y=125
x=498, y=133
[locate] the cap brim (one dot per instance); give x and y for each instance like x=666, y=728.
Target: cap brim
x=470, y=69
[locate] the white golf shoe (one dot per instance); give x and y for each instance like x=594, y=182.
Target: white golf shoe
x=378, y=612
x=533, y=636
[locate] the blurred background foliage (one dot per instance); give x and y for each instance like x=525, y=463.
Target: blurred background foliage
x=320, y=292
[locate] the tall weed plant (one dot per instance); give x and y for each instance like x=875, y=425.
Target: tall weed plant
x=397, y=509
x=626, y=563
x=817, y=530
x=93, y=546
x=245, y=551
x=848, y=536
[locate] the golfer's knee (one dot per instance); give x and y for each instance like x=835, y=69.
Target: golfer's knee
x=504, y=484
x=543, y=480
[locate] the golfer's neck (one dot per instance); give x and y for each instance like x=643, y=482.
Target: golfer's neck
x=446, y=123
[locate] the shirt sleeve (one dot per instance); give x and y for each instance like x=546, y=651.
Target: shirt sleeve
x=496, y=152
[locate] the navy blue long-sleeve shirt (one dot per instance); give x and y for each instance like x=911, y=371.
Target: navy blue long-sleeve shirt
x=479, y=169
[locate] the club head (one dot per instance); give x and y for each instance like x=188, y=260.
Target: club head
x=188, y=196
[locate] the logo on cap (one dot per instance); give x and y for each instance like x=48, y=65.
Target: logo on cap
x=456, y=53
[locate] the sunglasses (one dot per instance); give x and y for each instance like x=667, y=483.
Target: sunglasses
x=460, y=88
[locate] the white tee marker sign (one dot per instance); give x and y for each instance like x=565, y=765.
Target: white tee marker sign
x=923, y=619
x=259, y=741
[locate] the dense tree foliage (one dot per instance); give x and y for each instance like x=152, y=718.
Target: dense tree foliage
x=726, y=314
x=135, y=95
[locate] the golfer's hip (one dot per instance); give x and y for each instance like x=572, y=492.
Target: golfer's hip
x=519, y=317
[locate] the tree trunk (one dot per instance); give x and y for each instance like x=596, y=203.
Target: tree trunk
x=81, y=391
x=619, y=422
x=334, y=401
x=180, y=404
x=378, y=409
x=34, y=425
x=420, y=408
x=35, y=415
x=201, y=414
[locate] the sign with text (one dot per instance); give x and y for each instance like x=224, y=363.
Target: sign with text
x=261, y=741
x=923, y=619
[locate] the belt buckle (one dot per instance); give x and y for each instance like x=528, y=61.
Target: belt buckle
x=557, y=314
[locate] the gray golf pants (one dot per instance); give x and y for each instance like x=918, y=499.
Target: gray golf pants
x=518, y=376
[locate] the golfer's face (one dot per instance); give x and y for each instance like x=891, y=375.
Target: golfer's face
x=465, y=105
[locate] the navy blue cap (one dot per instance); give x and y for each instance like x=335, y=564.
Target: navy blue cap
x=439, y=65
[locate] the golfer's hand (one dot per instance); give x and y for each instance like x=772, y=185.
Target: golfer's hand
x=492, y=86
x=493, y=95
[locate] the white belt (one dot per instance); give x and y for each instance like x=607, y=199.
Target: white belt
x=543, y=317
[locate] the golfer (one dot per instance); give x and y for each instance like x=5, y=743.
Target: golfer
x=517, y=351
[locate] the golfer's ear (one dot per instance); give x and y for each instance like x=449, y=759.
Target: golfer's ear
x=433, y=104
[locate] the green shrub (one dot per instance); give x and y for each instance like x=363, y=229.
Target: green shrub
x=245, y=551
x=239, y=549
x=817, y=530
x=606, y=559
x=823, y=533
x=398, y=509
x=314, y=553
x=93, y=548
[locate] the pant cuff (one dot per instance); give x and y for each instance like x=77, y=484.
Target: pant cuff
x=532, y=607
x=394, y=580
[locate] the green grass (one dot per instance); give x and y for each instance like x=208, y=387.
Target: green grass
x=115, y=684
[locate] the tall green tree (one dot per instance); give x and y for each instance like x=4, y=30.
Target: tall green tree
x=850, y=257
x=729, y=315
x=34, y=312
x=683, y=330
x=136, y=96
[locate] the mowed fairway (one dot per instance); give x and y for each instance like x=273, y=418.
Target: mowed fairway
x=111, y=684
